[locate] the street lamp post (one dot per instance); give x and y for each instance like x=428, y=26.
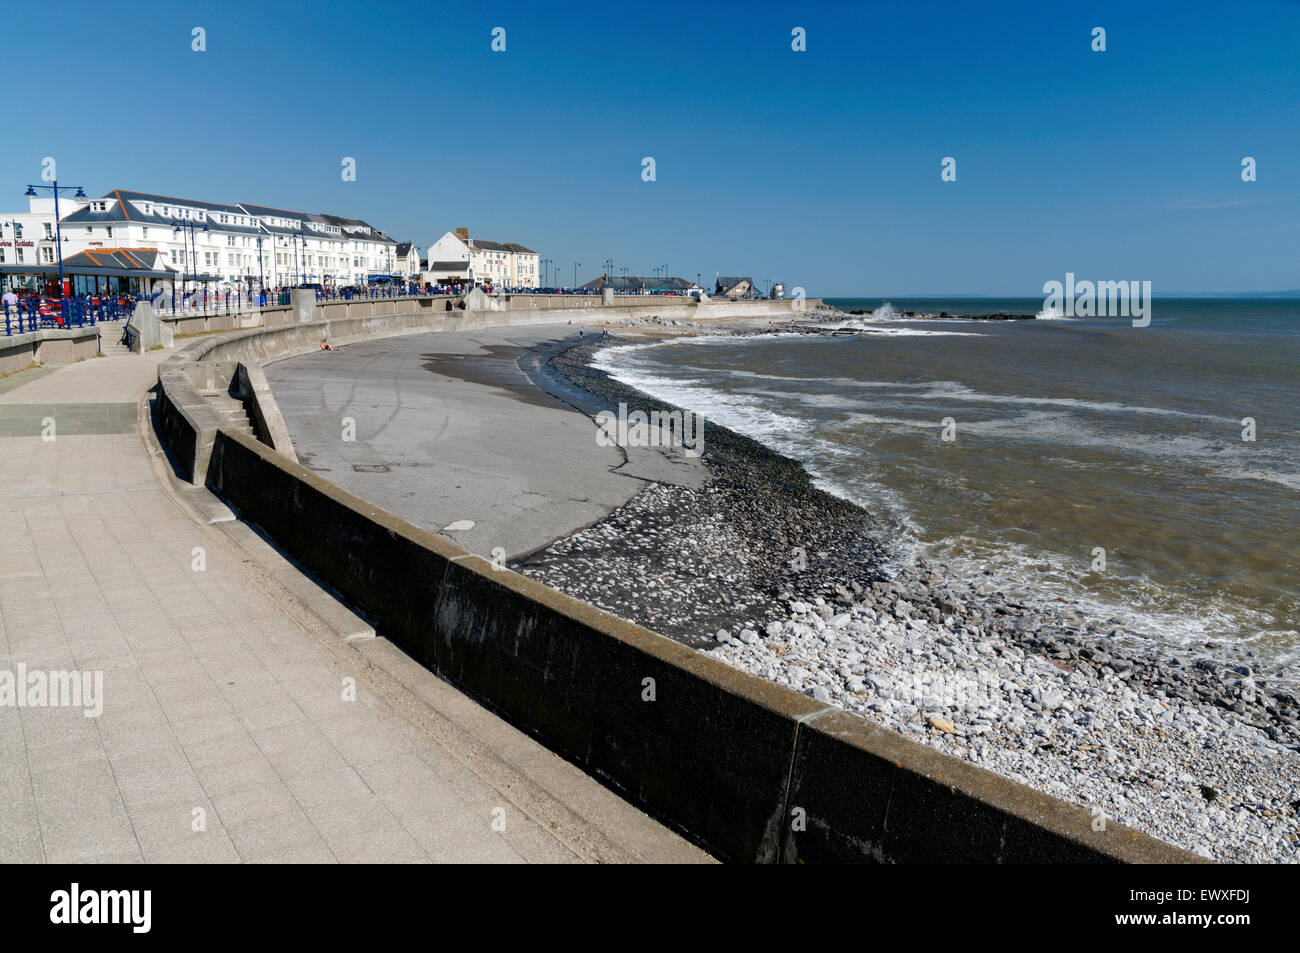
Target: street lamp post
x=189, y=228
x=575, y=274
x=58, y=233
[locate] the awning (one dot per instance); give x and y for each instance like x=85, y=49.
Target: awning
x=90, y=271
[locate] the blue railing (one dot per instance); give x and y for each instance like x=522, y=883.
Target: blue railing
x=28, y=315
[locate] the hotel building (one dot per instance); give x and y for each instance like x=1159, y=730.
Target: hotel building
x=457, y=258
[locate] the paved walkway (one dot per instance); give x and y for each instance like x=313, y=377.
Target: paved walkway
x=230, y=730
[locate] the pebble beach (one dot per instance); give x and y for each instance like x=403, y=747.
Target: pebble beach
x=1199, y=747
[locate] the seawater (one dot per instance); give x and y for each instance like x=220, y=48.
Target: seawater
x=1071, y=436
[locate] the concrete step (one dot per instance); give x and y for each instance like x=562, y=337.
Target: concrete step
x=231, y=410
x=110, y=336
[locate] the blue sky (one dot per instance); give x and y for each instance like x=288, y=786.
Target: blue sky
x=821, y=168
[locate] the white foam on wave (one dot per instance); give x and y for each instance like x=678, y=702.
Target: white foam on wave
x=918, y=332
x=1290, y=480
x=749, y=415
x=1051, y=314
x=1145, y=610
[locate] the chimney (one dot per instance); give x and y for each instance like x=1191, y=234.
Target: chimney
x=462, y=234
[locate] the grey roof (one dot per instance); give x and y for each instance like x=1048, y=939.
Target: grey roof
x=350, y=228
x=404, y=248
x=448, y=265
x=356, y=224
x=484, y=245
x=260, y=210
x=151, y=197
x=638, y=283
x=121, y=213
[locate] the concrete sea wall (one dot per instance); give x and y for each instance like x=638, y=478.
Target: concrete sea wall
x=47, y=346
x=750, y=770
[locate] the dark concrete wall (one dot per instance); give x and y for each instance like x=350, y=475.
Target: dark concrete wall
x=750, y=770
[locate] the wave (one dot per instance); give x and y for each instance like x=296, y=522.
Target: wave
x=955, y=390
x=1052, y=315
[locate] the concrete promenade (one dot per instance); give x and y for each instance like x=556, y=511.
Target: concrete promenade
x=247, y=716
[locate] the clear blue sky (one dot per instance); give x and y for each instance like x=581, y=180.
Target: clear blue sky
x=820, y=168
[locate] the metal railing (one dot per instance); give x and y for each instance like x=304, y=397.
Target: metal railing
x=29, y=315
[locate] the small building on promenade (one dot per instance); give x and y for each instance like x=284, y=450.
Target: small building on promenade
x=734, y=288
x=640, y=284
x=136, y=271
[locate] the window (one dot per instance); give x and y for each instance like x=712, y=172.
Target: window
x=230, y=240
x=2, y=256
x=108, y=231
x=18, y=230
x=47, y=255
x=49, y=231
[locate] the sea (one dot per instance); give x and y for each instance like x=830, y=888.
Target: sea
x=1151, y=475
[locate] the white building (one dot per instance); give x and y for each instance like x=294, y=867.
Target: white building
x=408, y=261
x=222, y=247
x=457, y=257
x=27, y=238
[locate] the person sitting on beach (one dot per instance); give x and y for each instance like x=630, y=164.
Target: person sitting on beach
x=325, y=345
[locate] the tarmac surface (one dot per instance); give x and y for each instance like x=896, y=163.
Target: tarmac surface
x=451, y=434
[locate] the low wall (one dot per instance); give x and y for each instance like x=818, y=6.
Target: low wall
x=47, y=346
x=185, y=324
x=750, y=770
x=626, y=307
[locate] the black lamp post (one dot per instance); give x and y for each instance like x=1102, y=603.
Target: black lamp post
x=58, y=233
x=189, y=228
